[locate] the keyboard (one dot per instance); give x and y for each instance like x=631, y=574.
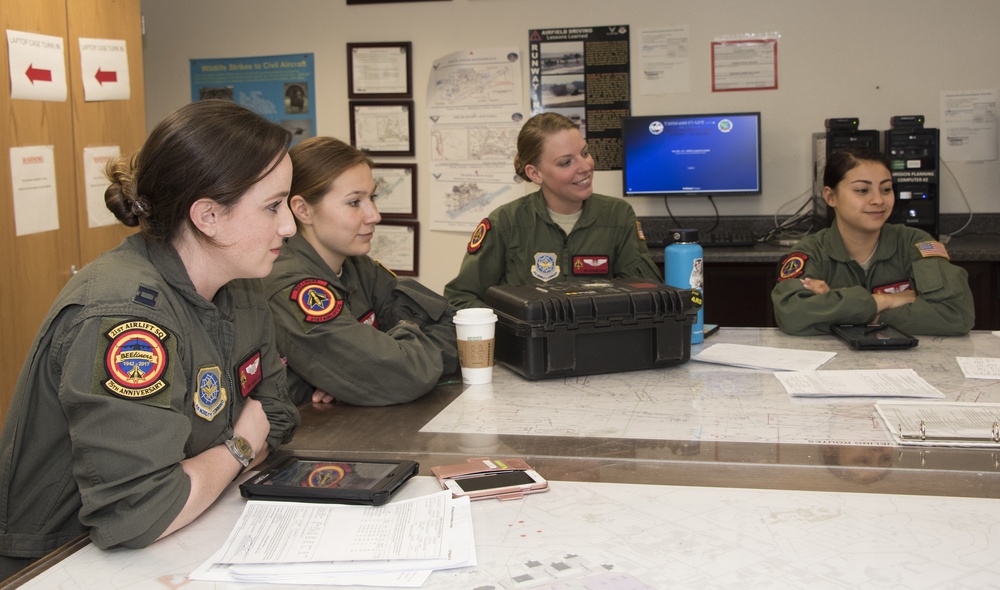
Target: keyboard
x=656, y=240
x=726, y=240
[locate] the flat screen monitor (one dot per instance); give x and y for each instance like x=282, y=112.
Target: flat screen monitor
x=712, y=154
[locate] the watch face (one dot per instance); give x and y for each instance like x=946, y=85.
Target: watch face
x=243, y=446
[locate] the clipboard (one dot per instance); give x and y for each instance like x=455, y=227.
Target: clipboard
x=941, y=424
x=874, y=337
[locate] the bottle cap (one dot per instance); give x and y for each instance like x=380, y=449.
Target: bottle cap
x=683, y=235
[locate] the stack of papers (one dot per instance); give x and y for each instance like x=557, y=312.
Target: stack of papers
x=859, y=383
x=398, y=544
x=764, y=357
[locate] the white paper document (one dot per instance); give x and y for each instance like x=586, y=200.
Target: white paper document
x=859, y=383
x=397, y=544
x=953, y=424
x=764, y=357
x=979, y=367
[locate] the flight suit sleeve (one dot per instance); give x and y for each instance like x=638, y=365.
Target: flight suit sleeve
x=633, y=254
x=354, y=362
x=414, y=302
x=800, y=312
x=482, y=267
x=272, y=393
x=944, y=305
x=127, y=447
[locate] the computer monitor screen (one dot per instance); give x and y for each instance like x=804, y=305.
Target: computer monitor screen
x=713, y=154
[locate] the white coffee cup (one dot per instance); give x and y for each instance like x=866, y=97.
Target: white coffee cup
x=475, y=328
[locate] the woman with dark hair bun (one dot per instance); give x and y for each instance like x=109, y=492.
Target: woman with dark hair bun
x=154, y=379
x=863, y=270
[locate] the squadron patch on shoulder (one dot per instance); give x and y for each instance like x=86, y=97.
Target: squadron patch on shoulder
x=210, y=397
x=136, y=360
x=478, y=236
x=317, y=300
x=932, y=249
x=792, y=266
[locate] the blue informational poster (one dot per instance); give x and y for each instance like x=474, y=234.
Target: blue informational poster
x=282, y=88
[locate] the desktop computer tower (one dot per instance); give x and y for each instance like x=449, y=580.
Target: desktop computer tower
x=825, y=144
x=914, y=156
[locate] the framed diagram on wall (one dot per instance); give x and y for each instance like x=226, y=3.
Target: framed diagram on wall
x=382, y=128
x=396, y=244
x=396, y=187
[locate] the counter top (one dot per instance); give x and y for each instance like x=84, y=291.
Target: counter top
x=962, y=248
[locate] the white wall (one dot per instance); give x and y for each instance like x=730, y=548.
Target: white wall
x=836, y=58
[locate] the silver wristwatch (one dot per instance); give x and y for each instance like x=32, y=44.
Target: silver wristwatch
x=241, y=449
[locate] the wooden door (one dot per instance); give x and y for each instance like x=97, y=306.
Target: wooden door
x=34, y=267
x=115, y=122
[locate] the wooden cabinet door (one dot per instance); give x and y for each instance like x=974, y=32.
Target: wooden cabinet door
x=34, y=267
x=105, y=123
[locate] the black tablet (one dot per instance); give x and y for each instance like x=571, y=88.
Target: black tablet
x=874, y=337
x=299, y=479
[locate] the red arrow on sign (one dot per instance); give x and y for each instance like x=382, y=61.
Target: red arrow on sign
x=103, y=76
x=34, y=73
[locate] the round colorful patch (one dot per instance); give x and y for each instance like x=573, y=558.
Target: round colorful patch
x=478, y=236
x=316, y=300
x=327, y=475
x=792, y=266
x=136, y=360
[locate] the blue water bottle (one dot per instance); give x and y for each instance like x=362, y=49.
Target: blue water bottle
x=684, y=268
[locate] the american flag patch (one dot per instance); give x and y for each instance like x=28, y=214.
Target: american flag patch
x=932, y=249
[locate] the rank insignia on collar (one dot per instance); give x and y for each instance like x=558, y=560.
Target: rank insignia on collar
x=248, y=373
x=545, y=267
x=136, y=360
x=478, y=236
x=317, y=300
x=792, y=266
x=210, y=397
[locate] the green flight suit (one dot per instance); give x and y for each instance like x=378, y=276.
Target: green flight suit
x=519, y=244
x=366, y=337
x=131, y=372
x=905, y=258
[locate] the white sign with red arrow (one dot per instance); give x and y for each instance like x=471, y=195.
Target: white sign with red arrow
x=37, y=65
x=104, y=67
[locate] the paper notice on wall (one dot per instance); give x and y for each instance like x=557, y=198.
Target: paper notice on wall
x=33, y=176
x=969, y=125
x=37, y=66
x=665, y=60
x=104, y=67
x=94, y=161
